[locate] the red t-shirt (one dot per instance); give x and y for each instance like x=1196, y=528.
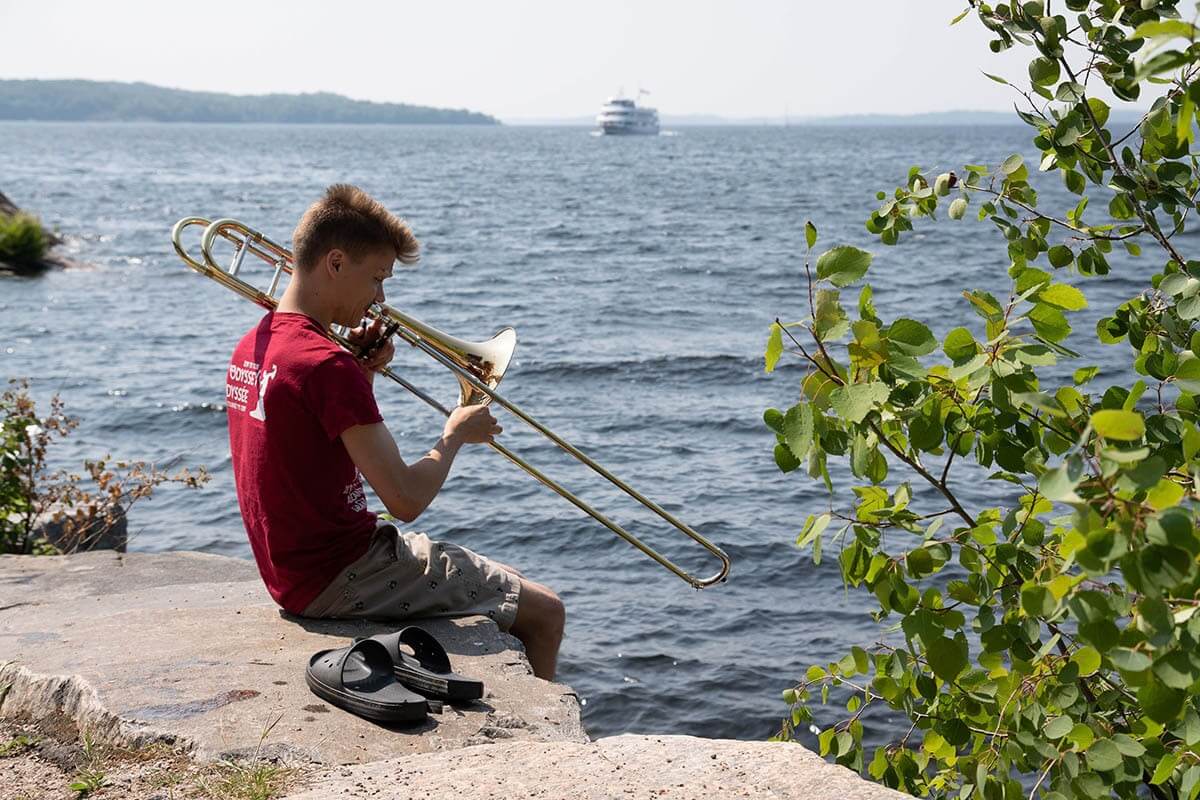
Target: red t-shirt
x=290, y=392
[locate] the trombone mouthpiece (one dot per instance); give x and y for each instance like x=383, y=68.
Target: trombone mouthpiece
x=388, y=331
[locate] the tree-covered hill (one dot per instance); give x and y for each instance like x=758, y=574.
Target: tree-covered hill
x=76, y=100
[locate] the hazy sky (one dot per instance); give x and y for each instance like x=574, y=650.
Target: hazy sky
x=530, y=58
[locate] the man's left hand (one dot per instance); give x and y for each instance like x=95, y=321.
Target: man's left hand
x=378, y=350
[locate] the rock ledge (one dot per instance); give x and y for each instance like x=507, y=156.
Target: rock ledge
x=186, y=649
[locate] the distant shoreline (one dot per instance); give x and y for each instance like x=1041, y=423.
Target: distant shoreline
x=98, y=101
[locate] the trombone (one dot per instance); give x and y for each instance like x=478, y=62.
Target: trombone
x=479, y=367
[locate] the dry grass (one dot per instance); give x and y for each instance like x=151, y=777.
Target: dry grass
x=54, y=762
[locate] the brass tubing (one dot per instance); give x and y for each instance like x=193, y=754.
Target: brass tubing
x=452, y=353
x=582, y=457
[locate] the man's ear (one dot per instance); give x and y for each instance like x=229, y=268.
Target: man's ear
x=334, y=260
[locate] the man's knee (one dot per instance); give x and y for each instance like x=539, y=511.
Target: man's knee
x=543, y=610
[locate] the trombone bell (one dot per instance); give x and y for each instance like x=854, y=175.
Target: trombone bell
x=487, y=361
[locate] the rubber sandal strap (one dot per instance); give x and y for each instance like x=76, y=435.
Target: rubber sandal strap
x=428, y=650
x=376, y=657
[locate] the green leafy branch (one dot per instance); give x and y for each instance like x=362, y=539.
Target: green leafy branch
x=1049, y=644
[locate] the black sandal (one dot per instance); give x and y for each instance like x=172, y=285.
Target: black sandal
x=428, y=669
x=360, y=679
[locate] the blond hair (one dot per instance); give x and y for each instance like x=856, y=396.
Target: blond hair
x=349, y=219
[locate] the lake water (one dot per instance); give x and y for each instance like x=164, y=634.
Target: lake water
x=641, y=275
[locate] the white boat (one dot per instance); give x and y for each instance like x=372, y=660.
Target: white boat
x=622, y=116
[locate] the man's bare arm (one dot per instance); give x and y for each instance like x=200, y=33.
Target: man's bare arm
x=407, y=489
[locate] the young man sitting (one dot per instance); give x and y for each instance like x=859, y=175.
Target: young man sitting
x=304, y=430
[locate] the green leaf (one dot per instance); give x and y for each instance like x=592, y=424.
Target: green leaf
x=774, y=346
x=854, y=401
x=1103, y=755
x=1175, y=283
x=1069, y=92
x=925, y=432
x=958, y=208
x=1128, y=660
x=866, y=308
x=798, y=429
x=1043, y=71
x=1037, y=601
x=911, y=337
x=1081, y=736
x=996, y=78
x=1188, y=307
x=1187, y=375
x=1088, y=659
x=1123, y=426
x=1060, y=256
x=810, y=233
x=843, y=265
x=1058, y=727
x=1063, y=296
x=1183, y=128
x=1074, y=181
x=1161, y=703
x=960, y=346
x=1058, y=486
x=1164, y=29
x=1175, y=670
x=1084, y=374
x=1012, y=164
x=1103, y=633
x=1160, y=63
x=813, y=528
x=947, y=657
x=784, y=458
x=1128, y=745
x=1049, y=322
x=919, y=561
x=1174, y=173
x=1166, y=765
x=1165, y=494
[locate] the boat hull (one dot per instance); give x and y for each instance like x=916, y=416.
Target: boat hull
x=625, y=130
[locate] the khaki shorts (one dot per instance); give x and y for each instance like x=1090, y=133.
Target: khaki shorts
x=405, y=575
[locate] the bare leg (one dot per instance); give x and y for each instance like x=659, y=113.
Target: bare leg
x=539, y=625
x=507, y=568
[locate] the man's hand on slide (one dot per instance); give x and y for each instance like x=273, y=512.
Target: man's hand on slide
x=471, y=425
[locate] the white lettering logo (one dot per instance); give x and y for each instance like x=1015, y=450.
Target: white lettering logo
x=263, y=379
x=356, y=498
x=239, y=381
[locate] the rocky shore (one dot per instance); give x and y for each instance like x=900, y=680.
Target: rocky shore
x=54, y=256
x=174, y=675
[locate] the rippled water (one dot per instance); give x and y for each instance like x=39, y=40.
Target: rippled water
x=641, y=275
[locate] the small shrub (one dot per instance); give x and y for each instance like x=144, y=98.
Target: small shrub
x=16, y=745
x=23, y=241
x=88, y=781
x=29, y=491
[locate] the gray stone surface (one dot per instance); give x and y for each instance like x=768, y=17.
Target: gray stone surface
x=188, y=648
x=618, y=767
